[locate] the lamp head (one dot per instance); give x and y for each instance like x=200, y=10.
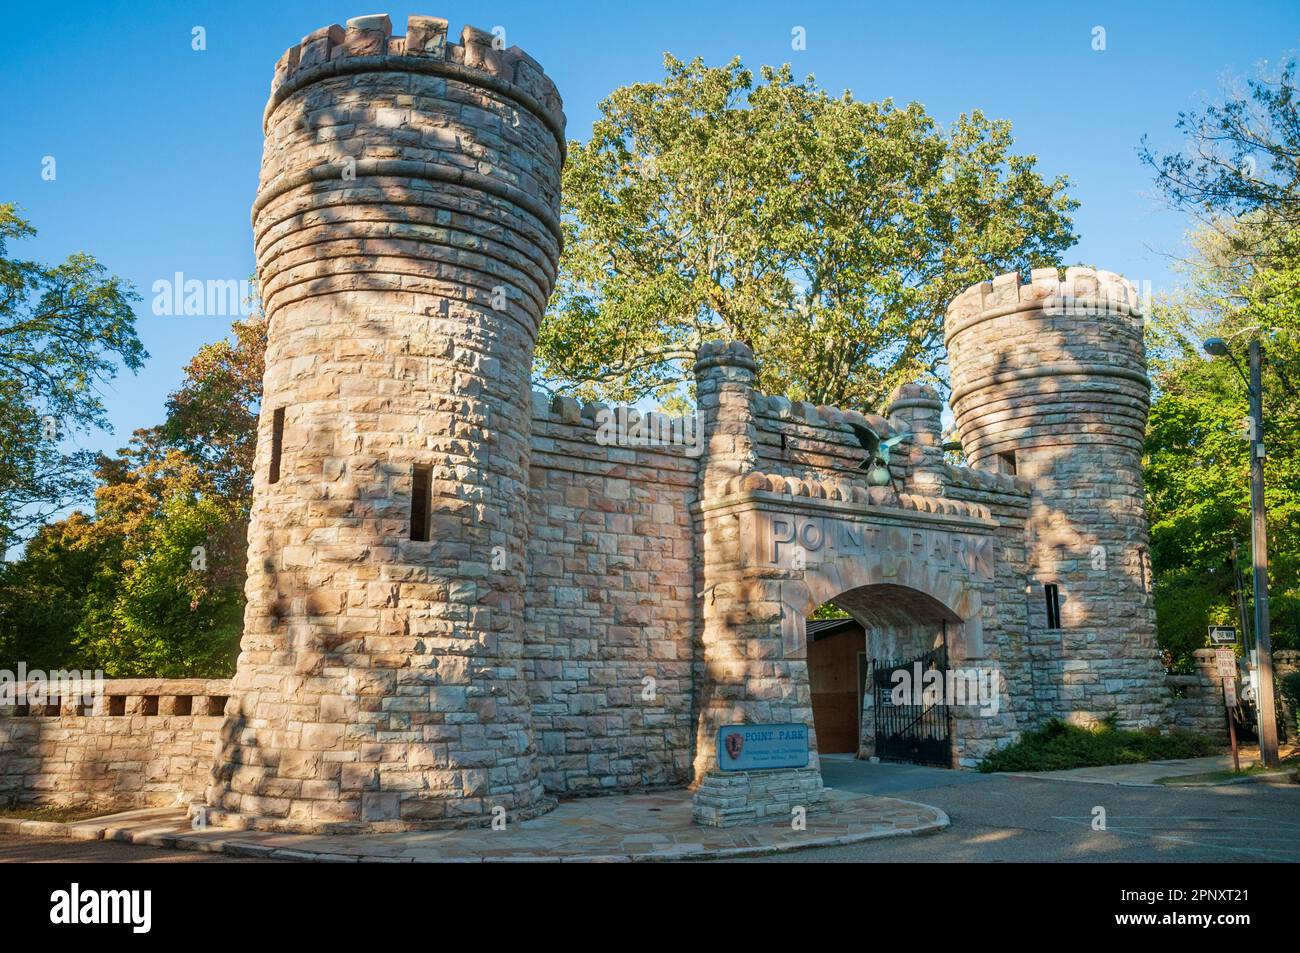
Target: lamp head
x=1216, y=347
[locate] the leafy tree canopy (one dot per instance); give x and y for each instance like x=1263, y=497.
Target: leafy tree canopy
x=64, y=332
x=1242, y=161
x=826, y=232
x=1198, y=463
x=152, y=585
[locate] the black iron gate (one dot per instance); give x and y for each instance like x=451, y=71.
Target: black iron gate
x=912, y=724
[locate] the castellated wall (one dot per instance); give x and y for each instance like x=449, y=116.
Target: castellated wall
x=1197, y=699
x=146, y=742
x=798, y=439
x=463, y=600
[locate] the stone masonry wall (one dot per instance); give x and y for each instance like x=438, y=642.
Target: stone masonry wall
x=798, y=439
x=1006, y=619
x=1286, y=662
x=1197, y=699
x=144, y=743
x=609, y=610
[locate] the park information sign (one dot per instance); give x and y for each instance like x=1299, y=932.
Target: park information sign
x=762, y=747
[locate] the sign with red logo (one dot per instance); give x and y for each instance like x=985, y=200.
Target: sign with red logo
x=762, y=747
x=735, y=744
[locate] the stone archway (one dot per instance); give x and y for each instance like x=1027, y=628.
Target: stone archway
x=887, y=622
x=769, y=559
x=907, y=589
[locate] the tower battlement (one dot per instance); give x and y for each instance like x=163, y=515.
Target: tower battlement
x=367, y=44
x=1046, y=289
x=1047, y=362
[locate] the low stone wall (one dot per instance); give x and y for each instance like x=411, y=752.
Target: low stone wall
x=1286, y=662
x=141, y=743
x=1197, y=699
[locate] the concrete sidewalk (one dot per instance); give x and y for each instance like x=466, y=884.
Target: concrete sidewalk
x=619, y=828
x=1148, y=772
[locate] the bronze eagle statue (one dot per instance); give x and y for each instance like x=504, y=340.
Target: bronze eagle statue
x=877, y=461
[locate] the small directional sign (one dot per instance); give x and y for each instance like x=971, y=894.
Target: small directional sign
x=1223, y=635
x=1225, y=662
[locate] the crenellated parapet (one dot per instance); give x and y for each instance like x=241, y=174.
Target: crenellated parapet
x=367, y=44
x=842, y=491
x=1050, y=361
x=1079, y=288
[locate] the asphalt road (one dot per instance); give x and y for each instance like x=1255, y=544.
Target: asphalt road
x=999, y=818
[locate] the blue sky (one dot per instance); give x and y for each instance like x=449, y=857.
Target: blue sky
x=157, y=146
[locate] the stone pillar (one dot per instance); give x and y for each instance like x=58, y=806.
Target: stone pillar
x=750, y=670
x=1049, y=381
x=724, y=382
x=407, y=234
x=917, y=408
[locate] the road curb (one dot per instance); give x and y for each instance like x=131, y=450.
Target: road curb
x=89, y=830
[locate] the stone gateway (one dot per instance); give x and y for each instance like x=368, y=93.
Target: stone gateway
x=465, y=597
x=462, y=598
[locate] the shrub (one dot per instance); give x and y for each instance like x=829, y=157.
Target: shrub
x=1058, y=746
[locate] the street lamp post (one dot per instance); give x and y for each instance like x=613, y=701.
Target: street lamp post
x=1264, y=703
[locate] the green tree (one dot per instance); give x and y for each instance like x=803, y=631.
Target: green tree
x=43, y=596
x=1242, y=161
x=827, y=233
x=64, y=332
x=1239, y=175
x=212, y=417
x=170, y=615
x=131, y=594
x=1197, y=465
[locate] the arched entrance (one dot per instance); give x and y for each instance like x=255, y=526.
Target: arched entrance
x=850, y=663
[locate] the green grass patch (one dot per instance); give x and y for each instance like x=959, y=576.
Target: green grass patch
x=1290, y=763
x=1059, y=746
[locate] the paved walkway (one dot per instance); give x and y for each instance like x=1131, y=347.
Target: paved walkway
x=1148, y=772
x=844, y=772
x=647, y=827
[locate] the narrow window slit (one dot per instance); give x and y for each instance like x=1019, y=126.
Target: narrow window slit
x=277, y=444
x=421, y=502
x=1053, y=596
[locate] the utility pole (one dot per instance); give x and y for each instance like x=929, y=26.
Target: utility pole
x=1265, y=705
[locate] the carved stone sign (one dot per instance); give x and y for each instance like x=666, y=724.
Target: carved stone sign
x=793, y=540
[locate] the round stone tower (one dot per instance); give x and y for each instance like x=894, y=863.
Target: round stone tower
x=1049, y=382
x=407, y=233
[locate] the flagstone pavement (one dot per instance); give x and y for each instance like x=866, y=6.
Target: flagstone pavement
x=616, y=828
